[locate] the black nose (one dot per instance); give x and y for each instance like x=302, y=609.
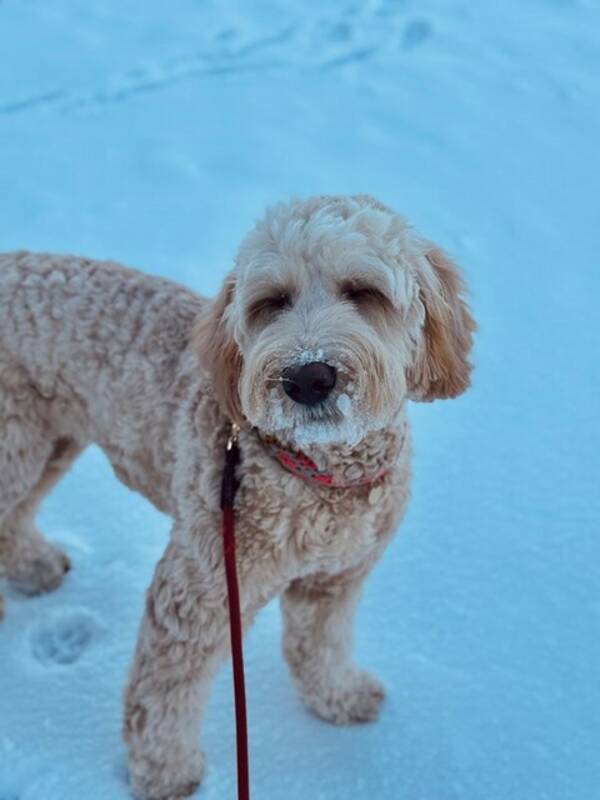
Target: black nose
x=309, y=383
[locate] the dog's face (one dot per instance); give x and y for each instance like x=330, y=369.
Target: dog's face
x=335, y=314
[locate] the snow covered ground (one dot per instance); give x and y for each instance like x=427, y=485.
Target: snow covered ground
x=154, y=133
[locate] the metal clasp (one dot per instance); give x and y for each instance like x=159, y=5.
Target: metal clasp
x=234, y=435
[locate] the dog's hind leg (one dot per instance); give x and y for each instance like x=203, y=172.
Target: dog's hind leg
x=31, y=462
x=30, y=561
x=318, y=614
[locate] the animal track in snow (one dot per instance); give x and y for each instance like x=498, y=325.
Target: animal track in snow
x=353, y=34
x=63, y=637
x=356, y=55
x=340, y=32
x=154, y=75
x=416, y=33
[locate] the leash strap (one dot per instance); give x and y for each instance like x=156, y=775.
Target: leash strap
x=229, y=487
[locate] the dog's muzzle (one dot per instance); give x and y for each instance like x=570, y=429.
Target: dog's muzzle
x=309, y=384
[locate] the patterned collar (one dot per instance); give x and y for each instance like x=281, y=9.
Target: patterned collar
x=304, y=467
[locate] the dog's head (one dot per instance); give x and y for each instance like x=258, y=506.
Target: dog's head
x=334, y=314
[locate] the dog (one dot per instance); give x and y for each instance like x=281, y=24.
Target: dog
x=335, y=315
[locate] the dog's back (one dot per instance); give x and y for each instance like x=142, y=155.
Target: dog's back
x=62, y=314
x=95, y=349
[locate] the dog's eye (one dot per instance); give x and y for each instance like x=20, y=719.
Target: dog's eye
x=268, y=306
x=365, y=296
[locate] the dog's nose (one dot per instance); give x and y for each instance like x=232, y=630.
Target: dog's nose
x=309, y=384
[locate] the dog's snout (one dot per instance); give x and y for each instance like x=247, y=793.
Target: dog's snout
x=309, y=384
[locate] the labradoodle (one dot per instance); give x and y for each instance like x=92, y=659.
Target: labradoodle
x=335, y=314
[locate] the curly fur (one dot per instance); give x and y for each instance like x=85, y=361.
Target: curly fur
x=149, y=371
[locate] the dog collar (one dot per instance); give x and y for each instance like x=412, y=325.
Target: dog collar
x=305, y=468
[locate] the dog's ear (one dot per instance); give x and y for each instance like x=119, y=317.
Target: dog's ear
x=442, y=368
x=219, y=352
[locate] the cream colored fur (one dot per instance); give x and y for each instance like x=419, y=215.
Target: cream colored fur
x=149, y=371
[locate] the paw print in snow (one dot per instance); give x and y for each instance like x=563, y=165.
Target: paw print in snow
x=416, y=33
x=63, y=637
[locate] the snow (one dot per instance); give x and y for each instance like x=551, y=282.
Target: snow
x=308, y=356
x=155, y=135
x=344, y=404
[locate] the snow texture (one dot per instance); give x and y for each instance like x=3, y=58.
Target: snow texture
x=344, y=404
x=155, y=134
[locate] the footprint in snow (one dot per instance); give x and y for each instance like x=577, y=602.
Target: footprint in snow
x=340, y=32
x=64, y=636
x=416, y=33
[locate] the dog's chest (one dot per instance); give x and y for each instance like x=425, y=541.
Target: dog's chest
x=306, y=528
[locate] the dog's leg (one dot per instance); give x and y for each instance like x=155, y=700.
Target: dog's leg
x=318, y=615
x=26, y=558
x=183, y=638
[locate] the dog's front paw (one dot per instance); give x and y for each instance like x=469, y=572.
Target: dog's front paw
x=178, y=791
x=40, y=570
x=164, y=780
x=355, y=696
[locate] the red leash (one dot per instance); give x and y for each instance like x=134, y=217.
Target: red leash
x=228, y=489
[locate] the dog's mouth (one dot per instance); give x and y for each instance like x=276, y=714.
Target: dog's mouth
x=325, y=413
x=317, y=407
x=309, y=398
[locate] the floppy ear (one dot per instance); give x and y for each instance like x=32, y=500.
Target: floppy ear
x=442, y=369
x=218, y=350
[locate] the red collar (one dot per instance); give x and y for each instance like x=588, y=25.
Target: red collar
x=304, y=467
